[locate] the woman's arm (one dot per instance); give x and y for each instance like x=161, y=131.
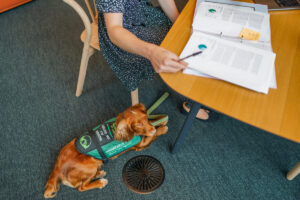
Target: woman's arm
x=161, y=59
x=169, y=8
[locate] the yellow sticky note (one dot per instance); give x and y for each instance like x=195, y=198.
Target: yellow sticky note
x=248, y=34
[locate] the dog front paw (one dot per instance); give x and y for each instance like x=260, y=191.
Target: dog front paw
x=104, y=182
x=137, y=148
x=100, y=174
x=161, y=130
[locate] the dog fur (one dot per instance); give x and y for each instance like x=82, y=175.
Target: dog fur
x=83, y=172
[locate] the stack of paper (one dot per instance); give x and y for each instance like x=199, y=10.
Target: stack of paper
x=238, y=44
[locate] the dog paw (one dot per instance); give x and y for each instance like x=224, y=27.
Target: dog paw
x=114, y=157
x=100, y=174
x=162, y=130
x=104, y=182
x=164, y=123
x=50, y=192
x=166, y=128
x=139, y=149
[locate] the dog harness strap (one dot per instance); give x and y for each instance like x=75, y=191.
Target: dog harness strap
x=111, y=120
x=102, y=136
x=98, y=146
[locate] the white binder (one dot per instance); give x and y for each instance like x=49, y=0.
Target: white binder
x=204, y=27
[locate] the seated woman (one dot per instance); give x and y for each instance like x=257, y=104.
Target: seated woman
x=130, y=32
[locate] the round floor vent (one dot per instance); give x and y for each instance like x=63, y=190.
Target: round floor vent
x=143, y=174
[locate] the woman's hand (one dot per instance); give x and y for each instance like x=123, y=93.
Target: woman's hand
x=164, y=60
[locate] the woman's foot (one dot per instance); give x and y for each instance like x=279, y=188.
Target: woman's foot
x=202, y=113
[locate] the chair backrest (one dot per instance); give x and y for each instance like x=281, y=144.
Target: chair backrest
x=94, y=14
x=85, y=19
x=81, y=12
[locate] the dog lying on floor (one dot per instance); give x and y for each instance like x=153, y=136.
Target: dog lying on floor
x=79, y=171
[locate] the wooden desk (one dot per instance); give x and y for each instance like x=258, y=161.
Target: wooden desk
x=279, y=111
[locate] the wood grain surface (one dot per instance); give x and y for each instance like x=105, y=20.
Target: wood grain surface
x=279, y=111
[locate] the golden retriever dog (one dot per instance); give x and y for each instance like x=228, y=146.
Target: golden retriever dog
x=82, y=171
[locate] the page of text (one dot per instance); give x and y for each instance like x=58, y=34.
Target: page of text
x=234, y=62
x=230, y=20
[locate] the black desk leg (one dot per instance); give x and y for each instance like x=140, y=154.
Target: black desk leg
x=186, y=127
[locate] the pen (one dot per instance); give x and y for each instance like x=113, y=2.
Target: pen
x=194, y=54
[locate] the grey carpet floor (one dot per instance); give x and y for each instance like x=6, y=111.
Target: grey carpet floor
x=40, y=53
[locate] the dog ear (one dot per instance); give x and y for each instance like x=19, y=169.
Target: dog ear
x=124, y=132
x=140, y=107
x=136, y=124
x=119, y=118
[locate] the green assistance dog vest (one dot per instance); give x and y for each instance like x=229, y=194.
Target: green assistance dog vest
x=99, y=142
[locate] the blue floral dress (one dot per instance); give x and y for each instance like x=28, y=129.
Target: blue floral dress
x=143, y=20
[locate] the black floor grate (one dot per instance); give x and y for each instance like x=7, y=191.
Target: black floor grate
x=143, y=174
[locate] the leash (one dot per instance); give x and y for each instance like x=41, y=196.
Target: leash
x=160, y=117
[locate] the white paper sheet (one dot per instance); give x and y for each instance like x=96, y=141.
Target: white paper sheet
x=265, y=46
x=237, y=63
x=229, y=20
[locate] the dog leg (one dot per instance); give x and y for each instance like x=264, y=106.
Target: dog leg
x=52, y=185
x=161, y=130
x=146, y=141
x=100, y=174
x=114, y=157
x=100, y=183
x=164, y=123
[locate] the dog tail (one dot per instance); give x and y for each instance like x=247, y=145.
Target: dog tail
x=52, y=185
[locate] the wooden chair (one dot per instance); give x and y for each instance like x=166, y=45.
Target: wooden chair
x=91, y=43
x=294, y=172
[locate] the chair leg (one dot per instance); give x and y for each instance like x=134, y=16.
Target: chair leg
x=86, y=54
x=135, y=97
x=294, y=172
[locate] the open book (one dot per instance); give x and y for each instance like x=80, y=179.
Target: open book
x=228, y=56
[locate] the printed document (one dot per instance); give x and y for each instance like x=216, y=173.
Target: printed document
x=229, y=20
x=237, y=63
x=218, y=25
